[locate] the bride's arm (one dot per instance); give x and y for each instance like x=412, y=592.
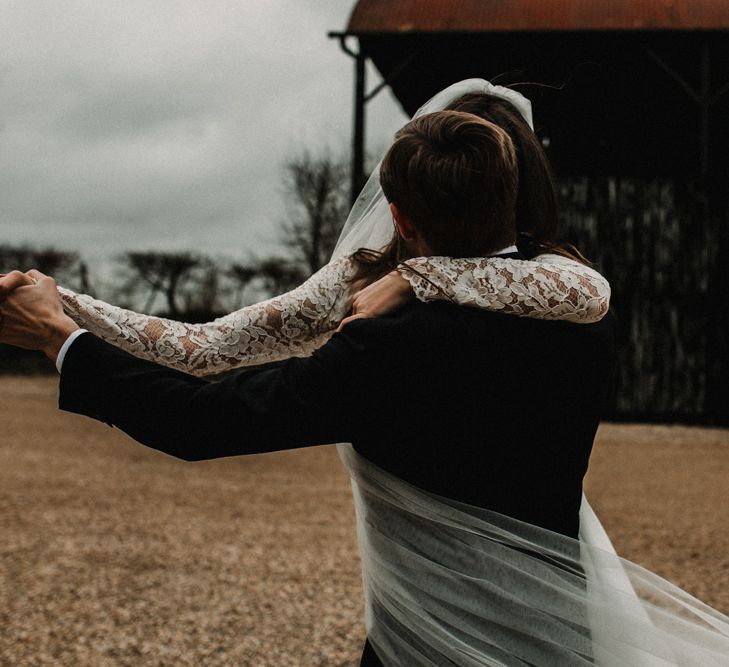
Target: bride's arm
x=292, y=324
x=550, y=287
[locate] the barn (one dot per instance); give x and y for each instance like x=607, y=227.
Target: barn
x=631, y=102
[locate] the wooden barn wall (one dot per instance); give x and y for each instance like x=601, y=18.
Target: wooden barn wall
x=659, y=248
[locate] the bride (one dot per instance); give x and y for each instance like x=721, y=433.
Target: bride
x=471, y=587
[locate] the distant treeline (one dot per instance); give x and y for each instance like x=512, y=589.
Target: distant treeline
x=194, y=287
x=185, y=286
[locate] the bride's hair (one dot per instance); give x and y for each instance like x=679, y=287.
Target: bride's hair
x=536, y=199
x=455, y=176
x=536, y=203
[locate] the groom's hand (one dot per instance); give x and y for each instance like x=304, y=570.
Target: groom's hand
x=31, y=316
x=13, y=280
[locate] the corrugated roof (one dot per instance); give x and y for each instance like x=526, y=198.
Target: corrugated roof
x=376, y=16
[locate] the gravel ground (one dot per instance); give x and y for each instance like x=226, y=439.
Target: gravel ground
x=117, y=555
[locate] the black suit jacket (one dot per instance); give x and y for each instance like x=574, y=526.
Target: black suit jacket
x=493, y=410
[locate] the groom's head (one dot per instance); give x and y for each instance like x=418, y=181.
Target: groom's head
x=451, y=179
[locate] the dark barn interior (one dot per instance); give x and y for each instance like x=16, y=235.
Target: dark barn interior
x=631, y=101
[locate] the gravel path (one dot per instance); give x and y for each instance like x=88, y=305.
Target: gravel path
x=117, y=555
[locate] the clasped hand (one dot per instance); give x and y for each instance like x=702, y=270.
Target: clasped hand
x=381, y=297
x=31, y=313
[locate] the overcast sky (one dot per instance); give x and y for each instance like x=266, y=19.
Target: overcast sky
x=164, y=124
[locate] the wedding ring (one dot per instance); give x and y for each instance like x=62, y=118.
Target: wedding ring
x=33, y=280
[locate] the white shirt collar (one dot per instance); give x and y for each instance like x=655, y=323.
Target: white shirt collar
x=504, y=251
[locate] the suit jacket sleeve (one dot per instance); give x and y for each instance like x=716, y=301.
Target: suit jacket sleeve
x=302, y=402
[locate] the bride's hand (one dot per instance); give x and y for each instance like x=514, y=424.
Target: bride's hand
x=379, y=298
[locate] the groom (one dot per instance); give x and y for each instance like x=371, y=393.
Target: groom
x=489, y=409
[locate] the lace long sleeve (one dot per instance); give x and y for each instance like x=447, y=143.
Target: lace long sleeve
x=549, y=287
x=296, y=323
x=293, y=324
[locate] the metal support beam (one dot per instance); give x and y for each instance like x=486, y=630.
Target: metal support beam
x=712, y=200
x=392, y=76
x=358, y=130
x=715, y=201
x=671, y=72
x=361, y=99
x=703, y=98
x=357, y=176
x=704, y=106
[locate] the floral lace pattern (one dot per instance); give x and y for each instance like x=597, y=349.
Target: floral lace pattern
x=550, y=287
x=296, y=323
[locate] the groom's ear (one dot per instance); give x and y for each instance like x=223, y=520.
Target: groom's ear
x=403, y=223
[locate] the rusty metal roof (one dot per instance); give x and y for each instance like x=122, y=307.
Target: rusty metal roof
x=403, y=16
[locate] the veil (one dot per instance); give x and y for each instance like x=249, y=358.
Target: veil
x=451, y=584
x=369, y=224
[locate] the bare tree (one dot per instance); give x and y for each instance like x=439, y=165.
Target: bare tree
x=66, y=267
x=316, y=186
x=279, y=275
x=161, y=272
x=204, y=292
x=242, y=277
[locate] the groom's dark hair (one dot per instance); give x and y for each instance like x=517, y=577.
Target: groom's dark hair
x=455, y=176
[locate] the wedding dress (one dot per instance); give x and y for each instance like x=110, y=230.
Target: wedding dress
x=452, y=584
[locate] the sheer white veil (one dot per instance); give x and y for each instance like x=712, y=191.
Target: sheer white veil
x=451, y=584
x=369, y=224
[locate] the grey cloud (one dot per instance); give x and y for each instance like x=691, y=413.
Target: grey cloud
x=165, y=124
